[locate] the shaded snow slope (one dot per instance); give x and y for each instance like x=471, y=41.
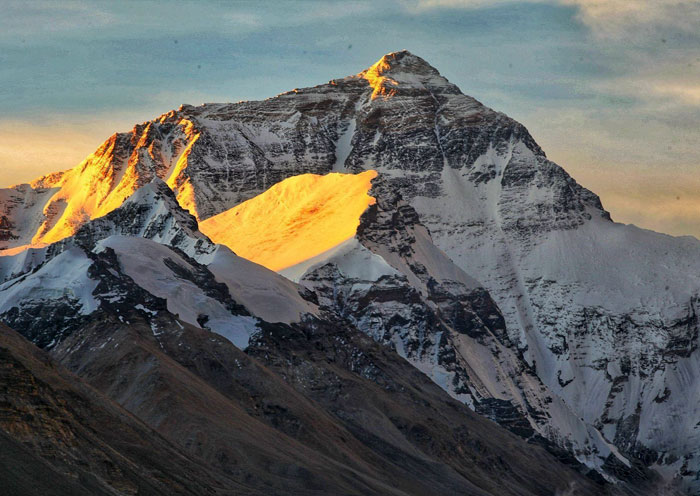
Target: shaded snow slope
x=262, y=292
x=150, y=249
x=191, y=296
x=120, y=272
x=350, y=257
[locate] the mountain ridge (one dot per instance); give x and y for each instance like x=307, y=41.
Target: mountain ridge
x=127, y=161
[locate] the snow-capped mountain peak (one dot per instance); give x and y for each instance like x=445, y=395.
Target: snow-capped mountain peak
x=401, y=72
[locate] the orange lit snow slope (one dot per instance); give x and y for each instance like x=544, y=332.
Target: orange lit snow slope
x=294, y=220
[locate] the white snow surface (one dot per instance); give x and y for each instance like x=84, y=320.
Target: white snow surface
x=14, y=265
x=264, y=293
x=344, y=145
x=144, y=261
x=352, y=260
x=63, y=277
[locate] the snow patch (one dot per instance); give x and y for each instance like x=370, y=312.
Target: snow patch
x=63, y=277
x=352, y=259
x=263, y=292
x=144, y=261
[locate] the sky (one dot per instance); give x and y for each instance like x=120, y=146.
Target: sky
x=609, y=88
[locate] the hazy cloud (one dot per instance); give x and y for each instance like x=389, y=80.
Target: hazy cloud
x=638, y=18
x=606, y=18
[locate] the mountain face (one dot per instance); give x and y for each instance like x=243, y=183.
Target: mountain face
x=147, y=255
x=313, y=406
x=59, y=436
x=392, y=283
x=482, y=263
x=198, y=416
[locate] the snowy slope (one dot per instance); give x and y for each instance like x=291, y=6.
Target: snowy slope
x=148, y=250
x=350, y=257
x=261, y=291
x=392, y=283
x=121, y=271
x=152, y=212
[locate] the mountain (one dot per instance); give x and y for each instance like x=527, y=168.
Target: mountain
x=312, y=406
x=391, y=282
x=147, y=255
x=482, y=263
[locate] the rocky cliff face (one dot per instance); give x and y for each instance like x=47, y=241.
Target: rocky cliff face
x=392, y=283
x=603, y=316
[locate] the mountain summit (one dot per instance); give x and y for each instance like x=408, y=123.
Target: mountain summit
x=403, y=61
x=401, y=71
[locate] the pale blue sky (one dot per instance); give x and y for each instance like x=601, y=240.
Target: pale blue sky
x=610, y=89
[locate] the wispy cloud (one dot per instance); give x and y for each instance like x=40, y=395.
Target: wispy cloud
x=665, y=79
x=638, y=18
x=655, y=91
x=21, y=18
x=606, y=18
x=686, y=92
x=32, y=21
x=418, y=5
